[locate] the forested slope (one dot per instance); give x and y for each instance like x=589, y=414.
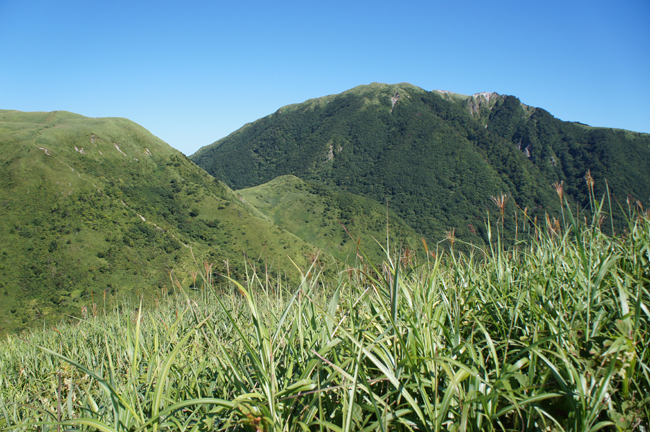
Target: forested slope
x=437, y=157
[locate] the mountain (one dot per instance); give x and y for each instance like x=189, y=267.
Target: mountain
x=97, y=210
x=437, y=157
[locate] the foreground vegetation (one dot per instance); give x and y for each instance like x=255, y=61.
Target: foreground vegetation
x=550, y=334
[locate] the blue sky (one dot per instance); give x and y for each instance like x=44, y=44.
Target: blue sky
x=192, y=72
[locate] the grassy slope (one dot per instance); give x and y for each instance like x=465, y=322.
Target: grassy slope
x=316, y=215
x=100, y=207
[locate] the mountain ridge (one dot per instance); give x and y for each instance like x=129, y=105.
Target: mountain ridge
x=330, y=220
x=462, y=149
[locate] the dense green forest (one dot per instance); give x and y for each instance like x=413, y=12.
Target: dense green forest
x=438, y=158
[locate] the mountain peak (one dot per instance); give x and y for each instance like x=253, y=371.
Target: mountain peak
x=486, y=95
x=437, y=155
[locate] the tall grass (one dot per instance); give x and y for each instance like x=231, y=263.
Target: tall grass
x=548, y=335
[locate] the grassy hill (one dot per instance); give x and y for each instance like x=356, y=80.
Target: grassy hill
x=437, y=157
x=318, y=215
x=97, y=209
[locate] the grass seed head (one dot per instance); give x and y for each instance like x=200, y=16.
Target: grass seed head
x=451, y=236
x=553, y=227
x=500, y=202
x=559, y=188
x=590, y=180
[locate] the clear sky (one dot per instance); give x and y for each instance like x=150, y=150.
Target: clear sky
x=194, y=71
